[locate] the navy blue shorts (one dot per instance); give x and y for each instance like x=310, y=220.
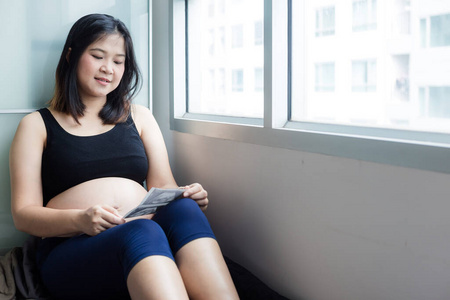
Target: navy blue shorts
x=97, y=267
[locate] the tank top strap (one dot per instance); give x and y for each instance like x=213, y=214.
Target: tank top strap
x=50, y=122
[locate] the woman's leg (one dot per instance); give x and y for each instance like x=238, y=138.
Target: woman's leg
x=198, y=255
x=156, y=277
x=204, y=270
x=97, y=267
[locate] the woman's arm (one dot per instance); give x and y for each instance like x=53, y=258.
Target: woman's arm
x=26, y=190
x=159, y=171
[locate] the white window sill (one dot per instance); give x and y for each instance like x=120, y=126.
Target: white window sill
x=430, y=156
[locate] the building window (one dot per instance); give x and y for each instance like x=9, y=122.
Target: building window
x=440, y=30
x=324, y=77
x=435, y=102
x=237, y=80
x=364, y=76
x=259, y=35
x=364, y=15
x=423, y=33
x=221, y=87
x=325, y=21
x=259, y=80
x=401, y=17
x=435, y=31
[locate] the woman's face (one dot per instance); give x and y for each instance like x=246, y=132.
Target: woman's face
x=101, y=67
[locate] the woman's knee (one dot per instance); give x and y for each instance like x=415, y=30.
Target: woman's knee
x=183, y=221
x=140, y=239
x=184, y=206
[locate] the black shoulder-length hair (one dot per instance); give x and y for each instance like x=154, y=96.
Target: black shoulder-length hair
x=84, y=32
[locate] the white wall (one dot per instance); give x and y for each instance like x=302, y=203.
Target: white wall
x=312, y=226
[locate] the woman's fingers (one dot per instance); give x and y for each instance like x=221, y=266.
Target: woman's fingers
x=197, y=193
x=112, y=215
x=100, y=218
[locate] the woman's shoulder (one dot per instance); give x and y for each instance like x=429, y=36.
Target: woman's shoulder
x=142, y=116
x=31, y=129
x=32, y=121
x=139, y=110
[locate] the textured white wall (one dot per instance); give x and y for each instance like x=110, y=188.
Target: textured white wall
x=312, y=226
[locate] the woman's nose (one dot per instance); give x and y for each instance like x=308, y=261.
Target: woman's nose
x=106, y=68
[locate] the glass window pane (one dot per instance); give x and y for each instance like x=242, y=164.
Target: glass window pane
x=36, y=31
x=325, y=21
x=440, y=30
x=325, y=77
x=439, y=102
x=385, y=75
x=259, y=33
x=423, y=32
x=364, y=15
x=231, y=44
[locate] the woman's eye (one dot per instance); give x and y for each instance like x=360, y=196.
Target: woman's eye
x=118, y=62
x=97, y=57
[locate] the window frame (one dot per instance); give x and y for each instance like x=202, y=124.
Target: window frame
x=412, y=149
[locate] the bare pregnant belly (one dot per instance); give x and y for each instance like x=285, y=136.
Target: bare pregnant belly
x=121, y=193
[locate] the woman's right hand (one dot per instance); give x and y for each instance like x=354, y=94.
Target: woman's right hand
x=99, y=218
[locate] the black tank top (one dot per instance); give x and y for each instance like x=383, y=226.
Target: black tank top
x=69, y=160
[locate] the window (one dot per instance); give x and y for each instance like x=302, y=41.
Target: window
x=435, y=102
x=364, y=15
x=325, y=77
x=237, y=82
x=364, y=76
x=440, y=30
x=259, y=80
x=325, y=21
x=258, y=33
x=401, y=21
x=423, y=33
x=226, y=44
x=435, y=31
x=348, y=78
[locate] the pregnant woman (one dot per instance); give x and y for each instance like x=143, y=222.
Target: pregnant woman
x=79, y=165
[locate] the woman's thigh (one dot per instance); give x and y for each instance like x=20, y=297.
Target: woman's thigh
x=85, y=267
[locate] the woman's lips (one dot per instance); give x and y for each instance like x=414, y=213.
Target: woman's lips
x=102, y=81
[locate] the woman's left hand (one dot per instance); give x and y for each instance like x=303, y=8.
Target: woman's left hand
x=197, y=193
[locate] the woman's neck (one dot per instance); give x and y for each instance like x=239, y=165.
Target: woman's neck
x=93, y=107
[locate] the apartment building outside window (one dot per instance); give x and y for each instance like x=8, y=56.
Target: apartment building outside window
x=259, y=33
x=435, y=31
x=259, y=79
x=231, y=44
x=358, y=65
x=364, y=15
x=237, y=83
x=325, y=21
x=435, y=102
x=364, y=75
x=324, y=77
x=440, y=30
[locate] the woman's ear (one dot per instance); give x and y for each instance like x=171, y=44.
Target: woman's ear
x=68, y=54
